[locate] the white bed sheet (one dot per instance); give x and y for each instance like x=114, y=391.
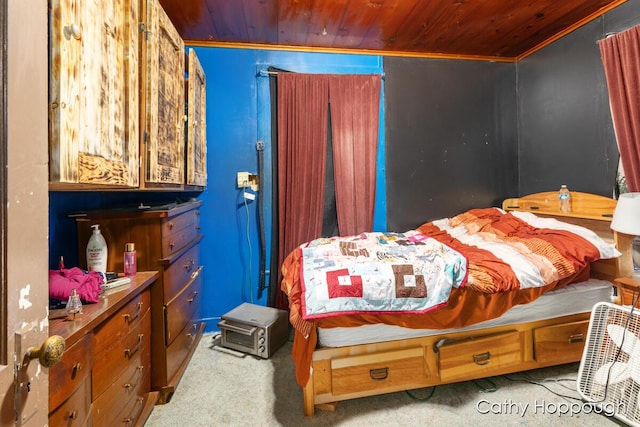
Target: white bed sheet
x=582, y=297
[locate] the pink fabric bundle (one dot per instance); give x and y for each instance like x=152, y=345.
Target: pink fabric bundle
x=86, y=284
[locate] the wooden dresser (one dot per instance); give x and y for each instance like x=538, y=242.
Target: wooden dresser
x=104, y=376
x=167, y=239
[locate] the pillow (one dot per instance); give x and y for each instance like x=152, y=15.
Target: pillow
x=607, y=250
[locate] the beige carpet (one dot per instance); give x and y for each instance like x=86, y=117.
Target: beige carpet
x=225, y=388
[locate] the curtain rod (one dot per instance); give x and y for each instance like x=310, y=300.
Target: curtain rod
x=267, y=73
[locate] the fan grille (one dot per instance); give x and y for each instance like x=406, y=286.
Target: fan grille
x=609, y=374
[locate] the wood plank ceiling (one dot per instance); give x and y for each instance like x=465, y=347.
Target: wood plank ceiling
x=499, y=30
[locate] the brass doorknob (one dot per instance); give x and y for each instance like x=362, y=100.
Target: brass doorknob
x=49, y=353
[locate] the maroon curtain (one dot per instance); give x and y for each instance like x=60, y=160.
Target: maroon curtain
x=302, y=145
x=355, y=110
x=621, y=59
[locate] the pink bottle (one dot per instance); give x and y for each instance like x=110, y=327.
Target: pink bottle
x=130, y=260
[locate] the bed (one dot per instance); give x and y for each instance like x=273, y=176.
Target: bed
x=481, y=328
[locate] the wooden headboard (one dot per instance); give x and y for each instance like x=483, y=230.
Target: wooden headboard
x=588, y=210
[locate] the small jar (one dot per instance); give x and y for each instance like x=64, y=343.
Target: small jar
x=130, y=260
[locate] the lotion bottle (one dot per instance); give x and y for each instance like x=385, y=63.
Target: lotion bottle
x=97, y=251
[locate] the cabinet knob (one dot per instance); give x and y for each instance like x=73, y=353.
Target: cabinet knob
x=72, y=30
x=73, y=415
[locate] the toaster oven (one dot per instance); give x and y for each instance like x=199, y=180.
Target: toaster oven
x=254, y=329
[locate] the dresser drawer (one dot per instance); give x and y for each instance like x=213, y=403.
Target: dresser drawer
x=76, y=409
x=113, y=362
x=178, y=231
x=180, y=348
x=480, y=355
x=72, y=370
x=177, y=275
x=122, y=323
x=133, y=383
x=393, y=370
x=562, y=343
x=183, y=308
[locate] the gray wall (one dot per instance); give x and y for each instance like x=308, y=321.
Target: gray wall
x=564, y=123
x=450, y=132
x=464, y=134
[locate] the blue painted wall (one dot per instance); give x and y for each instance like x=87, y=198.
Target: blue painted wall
x=238, y=116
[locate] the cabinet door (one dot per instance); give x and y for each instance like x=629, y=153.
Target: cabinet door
x=165, y=101
x=94, y=96
x=196, y=119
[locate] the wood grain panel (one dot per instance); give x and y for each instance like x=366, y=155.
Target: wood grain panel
x=378, y=371
x=560, y=343
x=496, y=30
x=94, y=93
x=165, y=100
x=196, y=156
x=479, y=355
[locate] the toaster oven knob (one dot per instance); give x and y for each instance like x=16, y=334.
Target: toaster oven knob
x=261, y=340
x=261, y=332
x=261, y=349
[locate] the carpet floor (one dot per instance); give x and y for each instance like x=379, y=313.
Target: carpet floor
x=222, y=387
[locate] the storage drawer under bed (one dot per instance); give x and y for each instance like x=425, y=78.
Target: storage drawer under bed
x=479, y=355
x=392, y=370
x=562, y=343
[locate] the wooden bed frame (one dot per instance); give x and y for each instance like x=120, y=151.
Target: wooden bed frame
x=343, y=373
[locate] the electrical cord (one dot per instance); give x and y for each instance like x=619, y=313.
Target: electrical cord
x=249, y=279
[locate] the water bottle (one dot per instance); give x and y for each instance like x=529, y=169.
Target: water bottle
x=564, y=197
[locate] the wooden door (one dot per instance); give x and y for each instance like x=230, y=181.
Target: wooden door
x=164, y=101
x=24, y=213
x=197, y=125
x=94, y=97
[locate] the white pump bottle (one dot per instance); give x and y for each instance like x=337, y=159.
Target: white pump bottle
x=97, y=251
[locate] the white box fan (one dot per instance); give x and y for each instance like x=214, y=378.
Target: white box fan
x=609, y=375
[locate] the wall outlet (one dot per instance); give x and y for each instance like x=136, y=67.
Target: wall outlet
x=243, y=180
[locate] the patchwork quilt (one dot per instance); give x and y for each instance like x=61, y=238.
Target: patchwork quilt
x=378, y=272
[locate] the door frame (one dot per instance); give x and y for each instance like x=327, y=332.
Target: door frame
x=26, y=202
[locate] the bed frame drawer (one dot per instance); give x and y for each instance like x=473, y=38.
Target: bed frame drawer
x=562, y=343
x=479, y=356
x=390, y=370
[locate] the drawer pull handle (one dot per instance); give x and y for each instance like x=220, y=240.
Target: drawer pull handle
x=130, y=352
x=482, y=359
x=190, y=335
x=576, y=338
x=171, y=225
x=131, y=317
x=73, y=415
x=379, y=374
x=193, y=296
x=129, y=386
x=76, y=369
x=171, y=245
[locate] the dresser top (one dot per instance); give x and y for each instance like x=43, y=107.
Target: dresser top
x=166, y=210
x=94, y=314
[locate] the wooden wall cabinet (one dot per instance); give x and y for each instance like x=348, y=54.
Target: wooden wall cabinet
x=122, y=114
x=164, y=115
x=103, y=378
x=196, y=155
x=94, y=94
x=167, y=239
